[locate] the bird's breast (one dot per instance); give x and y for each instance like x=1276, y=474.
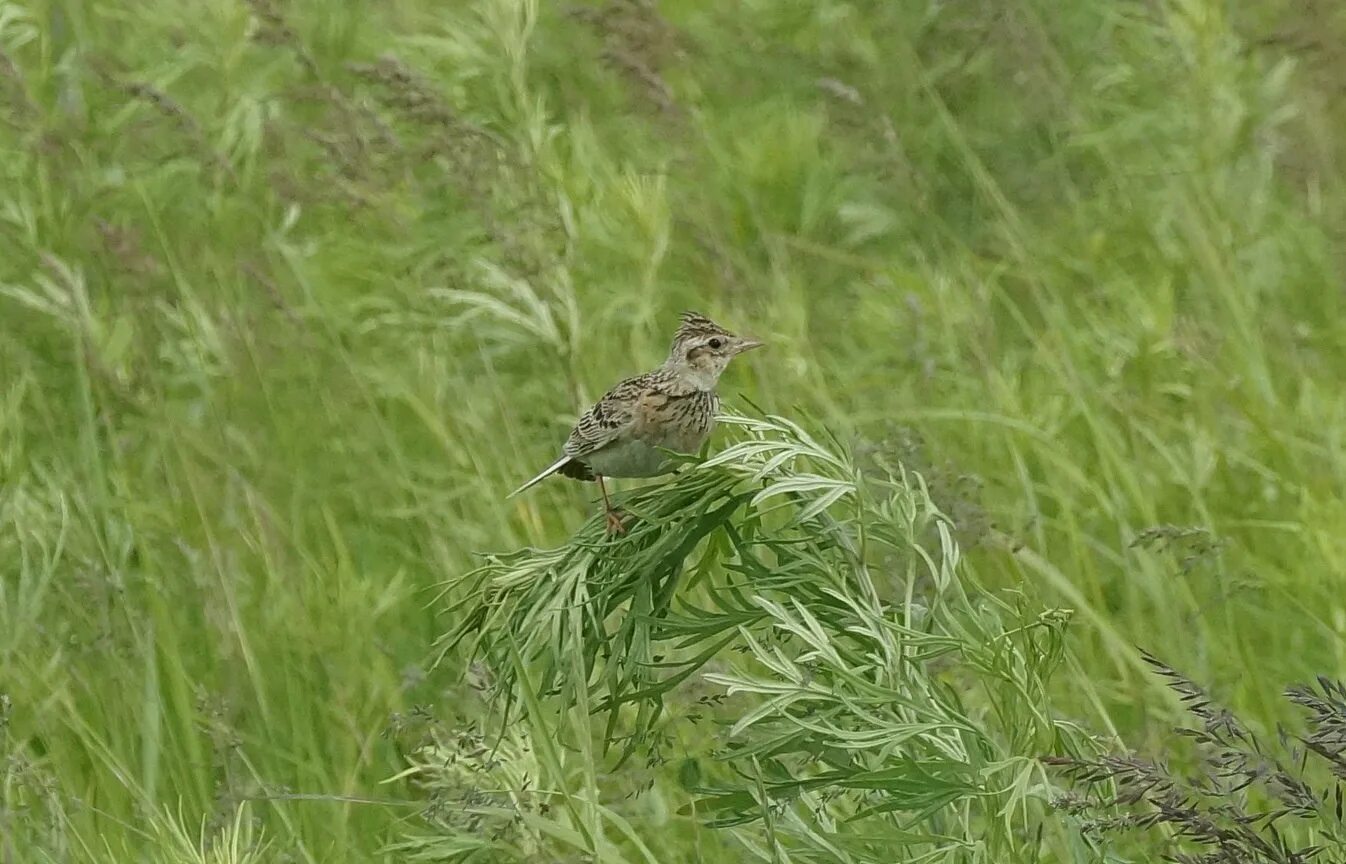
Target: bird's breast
x=677, y=421
x=686, y=438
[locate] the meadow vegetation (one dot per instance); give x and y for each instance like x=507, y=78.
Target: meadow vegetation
x=292, y=293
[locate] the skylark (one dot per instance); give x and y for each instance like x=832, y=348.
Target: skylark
x=671, y=408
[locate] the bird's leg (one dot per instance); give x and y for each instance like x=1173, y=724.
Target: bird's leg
x=615, y=525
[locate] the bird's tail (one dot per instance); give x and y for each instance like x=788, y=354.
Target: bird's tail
x=550, y=470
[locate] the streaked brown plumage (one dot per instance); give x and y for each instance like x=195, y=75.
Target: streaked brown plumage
x=670, y=408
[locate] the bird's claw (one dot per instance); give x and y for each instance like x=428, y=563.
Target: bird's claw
x=615, y=525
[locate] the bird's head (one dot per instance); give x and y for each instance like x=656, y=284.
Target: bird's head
x=701, y=349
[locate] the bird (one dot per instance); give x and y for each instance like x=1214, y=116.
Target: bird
x=672, y=407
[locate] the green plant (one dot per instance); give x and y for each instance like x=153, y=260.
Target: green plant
x=869, y=694
x=1232, y=797
x=289, y=292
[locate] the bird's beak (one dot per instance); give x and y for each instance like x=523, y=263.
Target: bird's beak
x=747, y=345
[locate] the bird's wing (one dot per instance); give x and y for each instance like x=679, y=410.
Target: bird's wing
x=611, y=417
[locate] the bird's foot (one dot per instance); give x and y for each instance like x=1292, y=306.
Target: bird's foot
x=615, y=525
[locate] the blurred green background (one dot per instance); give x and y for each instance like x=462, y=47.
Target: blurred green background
x=292, y=293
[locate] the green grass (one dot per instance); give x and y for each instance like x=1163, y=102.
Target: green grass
x=292, y=294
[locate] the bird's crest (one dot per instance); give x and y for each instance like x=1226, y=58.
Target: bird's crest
x=696, y=324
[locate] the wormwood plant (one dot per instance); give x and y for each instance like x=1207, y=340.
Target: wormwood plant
x=869, y=697
x=1238, y=799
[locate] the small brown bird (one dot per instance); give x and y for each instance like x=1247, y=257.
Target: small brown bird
x=670, y=408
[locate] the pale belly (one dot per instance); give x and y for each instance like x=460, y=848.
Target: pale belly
x=635, y=457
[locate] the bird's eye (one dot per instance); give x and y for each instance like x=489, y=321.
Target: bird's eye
x=717, y=343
